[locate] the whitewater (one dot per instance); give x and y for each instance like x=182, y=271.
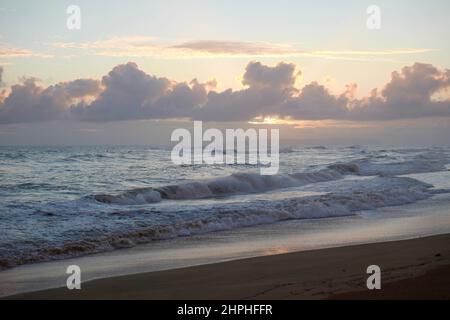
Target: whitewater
x=64, y=202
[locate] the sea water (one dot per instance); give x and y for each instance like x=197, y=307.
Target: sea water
x=64, y=202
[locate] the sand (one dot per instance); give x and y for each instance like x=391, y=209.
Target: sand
x=411, y=269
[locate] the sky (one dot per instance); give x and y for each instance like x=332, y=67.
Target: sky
x=142, y=68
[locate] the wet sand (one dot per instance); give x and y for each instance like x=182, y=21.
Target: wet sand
x=434, y=284
x=411, y=269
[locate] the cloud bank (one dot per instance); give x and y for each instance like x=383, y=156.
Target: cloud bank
x=30, y=102
x=147, y=46
x=235, y=48
x=128, y=93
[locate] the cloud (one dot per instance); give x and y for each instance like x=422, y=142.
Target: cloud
x=146, y=46
x=315, y=103
x=2, y=91
x=30, y=102
x=267, y=88
x=234, y=48
x=409, y=94
x=131, y=46
x=372, y=52
x=14, y=52
x=282, y=76
x=110, y=43
x=7, y=51
x=128, y=93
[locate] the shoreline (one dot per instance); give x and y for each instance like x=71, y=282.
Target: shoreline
x=336, y=273
x=424, y=218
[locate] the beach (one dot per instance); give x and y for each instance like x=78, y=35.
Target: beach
x=410, y=269
x=307, y=233
x=206, y=151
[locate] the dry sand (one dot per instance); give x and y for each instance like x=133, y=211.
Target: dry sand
x=411, y=269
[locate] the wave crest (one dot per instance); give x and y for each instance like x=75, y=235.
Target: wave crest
x=238, y=183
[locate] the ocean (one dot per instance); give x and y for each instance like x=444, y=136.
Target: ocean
x=65, y=202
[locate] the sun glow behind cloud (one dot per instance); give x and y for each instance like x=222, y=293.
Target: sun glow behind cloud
x=269, y=96
x=305, y=124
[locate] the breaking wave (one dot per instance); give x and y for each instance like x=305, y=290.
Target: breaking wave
x=355, y=196
x=239, y=183
x=319, y=183
x=248, y=183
